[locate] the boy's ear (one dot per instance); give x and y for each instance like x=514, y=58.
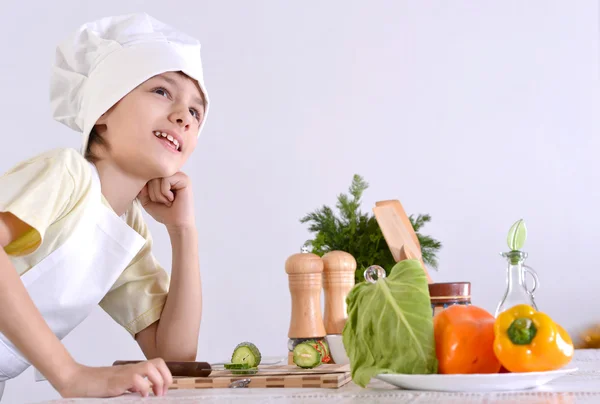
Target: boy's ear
x=104, y=116
x=101, y=120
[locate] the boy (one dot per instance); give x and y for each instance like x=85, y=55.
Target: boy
x=71, y=223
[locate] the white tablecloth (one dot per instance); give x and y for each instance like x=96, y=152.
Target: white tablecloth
x=582, y=386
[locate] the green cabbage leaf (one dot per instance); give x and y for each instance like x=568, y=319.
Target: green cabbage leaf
x=390, y=325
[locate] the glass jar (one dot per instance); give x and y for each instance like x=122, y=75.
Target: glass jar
x=517, y=291
x=443, y=295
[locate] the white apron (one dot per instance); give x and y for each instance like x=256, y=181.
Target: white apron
x=70, y=282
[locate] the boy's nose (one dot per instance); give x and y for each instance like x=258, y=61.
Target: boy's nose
x=181, y=118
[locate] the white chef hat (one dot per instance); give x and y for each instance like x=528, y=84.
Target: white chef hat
x=104, y=60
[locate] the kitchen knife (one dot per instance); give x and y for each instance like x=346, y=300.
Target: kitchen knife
x=187, y=369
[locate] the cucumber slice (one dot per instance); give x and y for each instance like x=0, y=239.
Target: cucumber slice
x=236, y=366
x=322, y=347
x=246, y=352
x=306, y=356
x=241, y=368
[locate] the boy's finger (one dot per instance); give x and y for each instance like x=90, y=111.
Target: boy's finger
x=141, y=385
x=156, y=195
x=165, y=187
x=179, y=181
x=156, y=186
x=155, y=377
x=161, y=366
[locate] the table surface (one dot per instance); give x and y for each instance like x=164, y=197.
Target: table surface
x=583, y=386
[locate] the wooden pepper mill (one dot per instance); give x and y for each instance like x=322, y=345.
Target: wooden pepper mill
x=338, y=279
x=305, y=273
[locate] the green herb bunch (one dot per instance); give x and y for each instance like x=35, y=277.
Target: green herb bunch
x=358, y=233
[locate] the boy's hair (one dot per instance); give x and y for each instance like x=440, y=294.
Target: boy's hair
x=94, y=139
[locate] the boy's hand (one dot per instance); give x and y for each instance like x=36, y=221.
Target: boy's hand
x=143, y=377
x=169, y=200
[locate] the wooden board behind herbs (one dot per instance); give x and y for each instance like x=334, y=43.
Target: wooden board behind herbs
x=358, y=233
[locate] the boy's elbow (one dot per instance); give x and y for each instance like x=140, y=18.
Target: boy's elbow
x=178, y=355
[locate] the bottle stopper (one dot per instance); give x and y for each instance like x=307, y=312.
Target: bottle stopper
x=338, y=279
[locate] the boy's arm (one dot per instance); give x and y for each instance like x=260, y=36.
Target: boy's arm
x=22, y=323
x=175, y=336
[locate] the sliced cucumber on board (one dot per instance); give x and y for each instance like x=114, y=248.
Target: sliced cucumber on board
x=306, y=355
x=241, y=368
x=323, y=349
x=246, y=352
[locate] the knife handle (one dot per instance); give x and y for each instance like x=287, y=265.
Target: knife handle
x=185, y=369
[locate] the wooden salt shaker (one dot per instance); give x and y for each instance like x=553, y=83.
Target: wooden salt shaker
x=305, y=274
x=338, y=279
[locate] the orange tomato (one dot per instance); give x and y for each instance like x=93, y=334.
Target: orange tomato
x=464, y=340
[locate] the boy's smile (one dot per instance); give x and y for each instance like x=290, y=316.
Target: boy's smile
x=170, y=140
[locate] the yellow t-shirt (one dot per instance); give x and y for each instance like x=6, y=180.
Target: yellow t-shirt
x=48, y=192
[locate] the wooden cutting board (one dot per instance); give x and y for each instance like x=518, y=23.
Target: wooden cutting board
x=278, y=376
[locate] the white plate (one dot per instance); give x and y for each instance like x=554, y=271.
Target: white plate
x=474, y=382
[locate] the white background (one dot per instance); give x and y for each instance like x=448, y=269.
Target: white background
x=478, y=113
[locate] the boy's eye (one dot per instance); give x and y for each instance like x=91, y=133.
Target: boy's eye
x=195, y=113
x=161, y=91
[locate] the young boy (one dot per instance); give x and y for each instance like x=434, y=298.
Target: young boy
x=71, y=226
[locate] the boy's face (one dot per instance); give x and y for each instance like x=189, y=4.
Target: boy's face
x=153, y=130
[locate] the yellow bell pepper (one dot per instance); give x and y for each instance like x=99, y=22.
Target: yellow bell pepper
x=526, y=340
